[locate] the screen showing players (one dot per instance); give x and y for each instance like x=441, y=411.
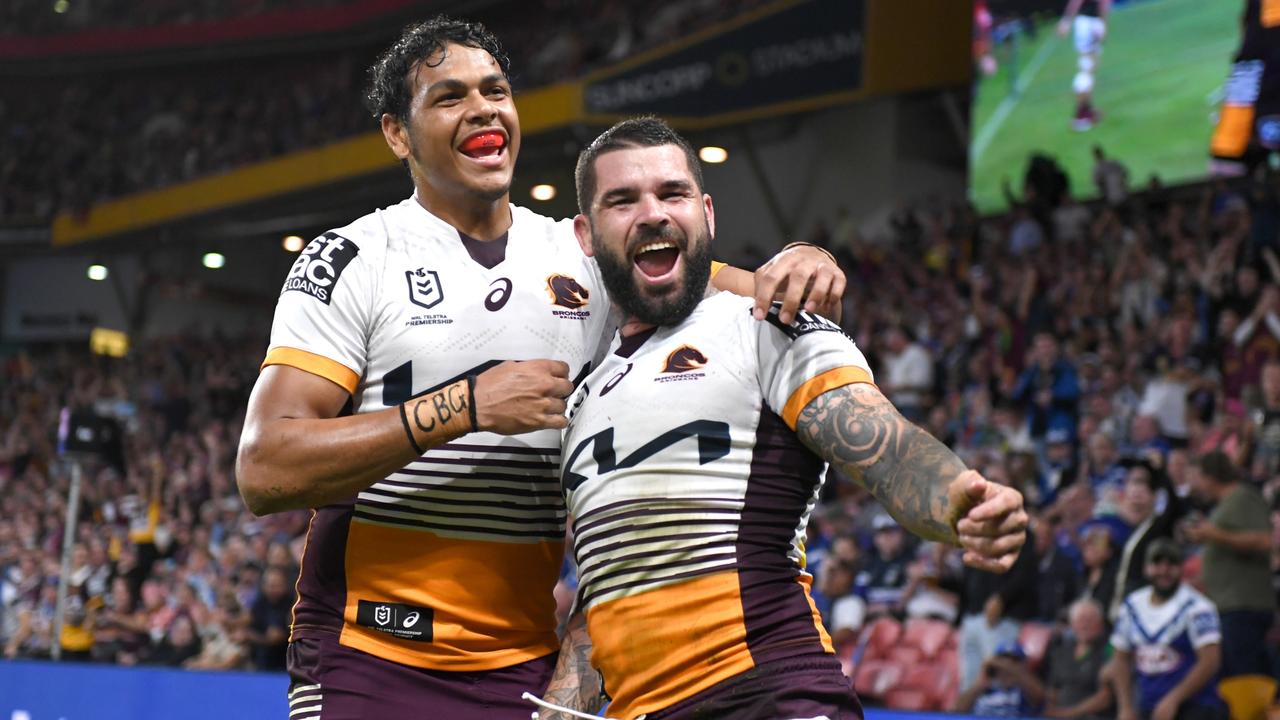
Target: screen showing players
x=1141, y=79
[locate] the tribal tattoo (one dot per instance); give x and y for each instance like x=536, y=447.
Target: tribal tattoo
x=910, y=472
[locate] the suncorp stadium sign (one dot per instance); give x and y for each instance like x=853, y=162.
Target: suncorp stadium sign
x=808, y=49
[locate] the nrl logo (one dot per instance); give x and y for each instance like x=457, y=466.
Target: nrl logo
x=424, y=287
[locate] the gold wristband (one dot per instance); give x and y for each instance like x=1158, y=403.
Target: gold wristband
x=440, y=416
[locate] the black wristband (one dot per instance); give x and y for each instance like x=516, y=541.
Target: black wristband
x=471, y=401
x=404, y=419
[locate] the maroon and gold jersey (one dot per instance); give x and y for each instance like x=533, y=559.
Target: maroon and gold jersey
x=450, y=562
x=690, y=495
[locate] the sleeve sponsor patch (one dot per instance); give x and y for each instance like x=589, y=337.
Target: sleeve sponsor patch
x=319, y=265
x=1204, y=624
x=805, y=323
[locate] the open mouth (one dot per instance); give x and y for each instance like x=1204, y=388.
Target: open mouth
x=487, y=148
x=657, y=260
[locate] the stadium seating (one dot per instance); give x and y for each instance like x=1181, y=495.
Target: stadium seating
x=1034, y=638
x=927, y=635
x=1248, y=697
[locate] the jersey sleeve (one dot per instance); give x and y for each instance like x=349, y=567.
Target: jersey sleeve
x=323, y=316
x=1120, y=636
x=1203, y=627
x=801, y=360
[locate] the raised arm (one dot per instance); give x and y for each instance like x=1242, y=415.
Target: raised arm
x=918, y=479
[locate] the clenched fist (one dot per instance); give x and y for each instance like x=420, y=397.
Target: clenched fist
x=995, y=527
x=521, y=396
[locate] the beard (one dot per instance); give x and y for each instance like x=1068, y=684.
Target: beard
x=669, y=308
x=1163, y=591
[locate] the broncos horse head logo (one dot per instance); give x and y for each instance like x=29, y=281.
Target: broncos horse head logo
x=567, y=292
x=684, y=359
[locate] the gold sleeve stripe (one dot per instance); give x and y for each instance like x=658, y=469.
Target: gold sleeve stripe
x=829, y=380
x=716, y=267
x=315, y=364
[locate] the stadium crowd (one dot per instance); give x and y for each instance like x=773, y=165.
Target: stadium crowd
x=43, y=17
x=67, y=145
x=168, y=567
x=1118, y=363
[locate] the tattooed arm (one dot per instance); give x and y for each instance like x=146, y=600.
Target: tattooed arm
x=918, y=479
x=575, y=684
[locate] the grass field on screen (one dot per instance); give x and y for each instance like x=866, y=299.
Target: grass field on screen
x=1162, y=67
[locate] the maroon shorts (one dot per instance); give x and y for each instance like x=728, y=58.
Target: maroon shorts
x=803, y=687
x=330, y=681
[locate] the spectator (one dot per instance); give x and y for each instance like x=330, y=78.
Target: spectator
x=1057, y=467
x=833, y=577
x=1049, y=388
x=907, y=374
x=269, y=623
x=924, y=595
x=1103, y=470
x=1058, y=576
x=1175, y=373
x=180, y=644
x=121, y=635
x=843, y=610
x=1151, y=510
x=1266, y=457
x=993, y=608
x=1236, y=565
x=33, y=635
x=1098, y=548
x=1073, y=666
x=1006, y=688
x=1110, y=178
x=1168, y=646
x=883, y=575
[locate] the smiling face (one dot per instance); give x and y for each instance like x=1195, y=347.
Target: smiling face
x=649, y=227
x=461, y=135
x=1164, y=572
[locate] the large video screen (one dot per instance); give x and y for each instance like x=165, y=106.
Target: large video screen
x=1145, y=88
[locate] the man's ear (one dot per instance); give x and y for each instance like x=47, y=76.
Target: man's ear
x=582, y=231
x=710, y=210
x=396, y=135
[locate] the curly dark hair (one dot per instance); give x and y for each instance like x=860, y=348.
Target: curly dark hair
x=390, y=89
x=638, y=132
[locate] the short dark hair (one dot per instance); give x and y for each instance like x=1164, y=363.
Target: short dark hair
x=390, y=89
x=1216, y=466
x=640, y=132
x=1164, y=548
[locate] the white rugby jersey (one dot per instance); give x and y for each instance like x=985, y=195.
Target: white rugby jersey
x=1164, y=638
x=690, y=494
x=449, y=563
